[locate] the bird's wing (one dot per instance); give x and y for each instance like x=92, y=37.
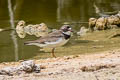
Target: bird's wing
x=52, y=37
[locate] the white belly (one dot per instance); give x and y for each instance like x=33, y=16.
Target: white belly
x=58, y=43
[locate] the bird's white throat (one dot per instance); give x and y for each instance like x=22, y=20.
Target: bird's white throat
x=67, y=33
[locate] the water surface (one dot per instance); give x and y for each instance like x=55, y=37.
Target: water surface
x=52, y=12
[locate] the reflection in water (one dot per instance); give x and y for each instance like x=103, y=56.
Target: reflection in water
x=73, y=11
x=97, y=10
x=63, y=4
x=58, y=10
x=64, y=10
x=51, y=12
x=13, y=36
x=38, y=29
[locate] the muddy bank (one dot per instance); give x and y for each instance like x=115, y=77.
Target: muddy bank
x=98, y=66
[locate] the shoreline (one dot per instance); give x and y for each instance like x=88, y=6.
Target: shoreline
x=97, y=66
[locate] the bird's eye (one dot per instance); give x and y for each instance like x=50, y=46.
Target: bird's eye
x=68, y=27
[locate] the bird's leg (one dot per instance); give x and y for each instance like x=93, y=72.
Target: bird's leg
x=53, y=52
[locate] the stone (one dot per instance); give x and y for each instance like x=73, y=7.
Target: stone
x=82, y=31
x=25, y=67
x=20, y=29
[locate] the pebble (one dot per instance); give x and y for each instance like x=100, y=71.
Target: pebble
x=26, y=66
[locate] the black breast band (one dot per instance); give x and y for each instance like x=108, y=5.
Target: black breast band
x=66, y=36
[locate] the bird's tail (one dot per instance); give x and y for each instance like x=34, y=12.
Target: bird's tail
x=29, y=43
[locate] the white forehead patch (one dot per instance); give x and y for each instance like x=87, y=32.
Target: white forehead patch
x=70, y=28
x=67, y=33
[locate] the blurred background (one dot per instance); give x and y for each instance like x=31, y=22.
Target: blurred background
x=52, y=12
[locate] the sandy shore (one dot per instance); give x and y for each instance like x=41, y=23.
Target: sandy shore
x=97, y=66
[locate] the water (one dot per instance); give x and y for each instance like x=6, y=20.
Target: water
x=52, y=12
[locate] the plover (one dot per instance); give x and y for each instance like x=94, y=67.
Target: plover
x=54, y=39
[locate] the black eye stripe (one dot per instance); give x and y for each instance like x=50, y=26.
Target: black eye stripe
x=68, y=27
x=65, y=28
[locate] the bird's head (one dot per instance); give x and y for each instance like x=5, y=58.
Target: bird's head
x=66, y=28
x=67, y=31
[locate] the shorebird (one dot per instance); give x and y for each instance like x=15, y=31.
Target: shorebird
x=54, y=39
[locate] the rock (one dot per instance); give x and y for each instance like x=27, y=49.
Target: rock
x=29, y=66
x=2, y=77
x=28, y=63
x=25, y=67
x=113, y=20
x=8, y=71
x=41, y=30
x=82, y=31
x=29, y=30
x=92, y=22
x=112, y=26
x=37, y=29
x=37, y=68
x=118, y=14
x=20, y=29
x=101, y=23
